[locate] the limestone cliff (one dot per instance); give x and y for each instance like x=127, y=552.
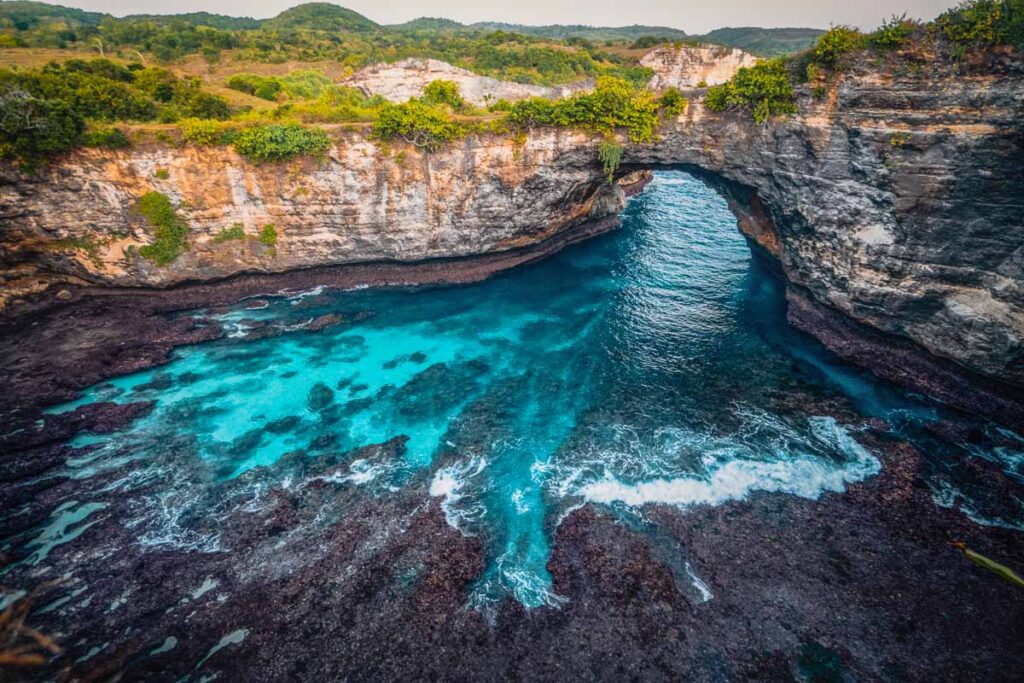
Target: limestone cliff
x=687, y=66
x=895, y=200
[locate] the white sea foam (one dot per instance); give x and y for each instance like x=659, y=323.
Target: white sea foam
x=448, y=483
x=807, y=477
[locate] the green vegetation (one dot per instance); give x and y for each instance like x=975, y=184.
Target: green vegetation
x=44, y=111
x=268, y=235
x=235, y=232
x=54, y=108
x=204, y=133
x=984, y=22
x=260, y=86
x=610, y=155
x=416, y=123
x=169, y=228
x=108, y=137
x=87, y=244
x=443, y=93
x=673, y=102
x=763, y=89
x=833, y=47
x=162, y=173
x=613, y=104
x=277, y=142
x=892, y=34
x=765, y=42
x=33, y=128
x=315, y=32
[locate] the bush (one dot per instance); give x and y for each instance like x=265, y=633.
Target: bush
x=835, y=44
x=984, y=22
x=206, y=133
x=417, y=124
x=260, y=86
x=108, y=137
x=169, y=228
x=268, y=235
x=442, y=92
x=613, y=104
x=202, y=105
x=235, y=232
x=276, y=142
x=891, y=34
x=673, y=102
x=762, y=89
x=501, y=105
x=32, y=129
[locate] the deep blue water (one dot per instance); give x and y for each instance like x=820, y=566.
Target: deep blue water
x=642, y=366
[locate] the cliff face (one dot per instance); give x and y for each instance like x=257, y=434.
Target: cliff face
x=365, y=202
x=895, y=200
x=686, y=66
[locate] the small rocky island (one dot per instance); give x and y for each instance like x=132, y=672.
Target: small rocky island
x=460, y=369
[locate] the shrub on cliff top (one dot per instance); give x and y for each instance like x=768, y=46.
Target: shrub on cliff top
x=891, y=34
x=442, y=92
x=32, y=128
x=169, y=229
x=833, y=46
x=763, y=90
x=673, y=102
x=984, y=22
x=200, y=132
x=615, y=103
x=106, y=137
x=416, y=123
x=276, y=142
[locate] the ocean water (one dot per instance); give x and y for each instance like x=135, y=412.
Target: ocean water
x=650, y=365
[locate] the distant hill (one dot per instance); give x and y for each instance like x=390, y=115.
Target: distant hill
x=765, y=42
x=429, y=24
x=198, y=19
x=27, y=15
x=321, y=16
x=593, y=33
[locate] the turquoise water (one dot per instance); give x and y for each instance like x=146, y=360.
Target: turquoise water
x=643, y=366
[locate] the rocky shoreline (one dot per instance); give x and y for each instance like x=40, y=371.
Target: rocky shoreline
x=860, y=585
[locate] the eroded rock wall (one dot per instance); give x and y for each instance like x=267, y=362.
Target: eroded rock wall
x=364, y=202
x=687, y=66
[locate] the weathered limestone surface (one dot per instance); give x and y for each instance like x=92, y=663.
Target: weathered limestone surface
x=407, y=78
x=688, y=65
x=897, y=199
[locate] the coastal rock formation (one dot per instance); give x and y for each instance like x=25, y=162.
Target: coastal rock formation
x=894, y=200
x=401, y=80
x=687, y=66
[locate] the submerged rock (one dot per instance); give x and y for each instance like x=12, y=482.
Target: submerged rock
x=320, y=397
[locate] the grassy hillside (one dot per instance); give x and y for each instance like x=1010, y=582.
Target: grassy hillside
x=320, y=16
x=24, y=16
x=592, y=33
x=766, y=42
